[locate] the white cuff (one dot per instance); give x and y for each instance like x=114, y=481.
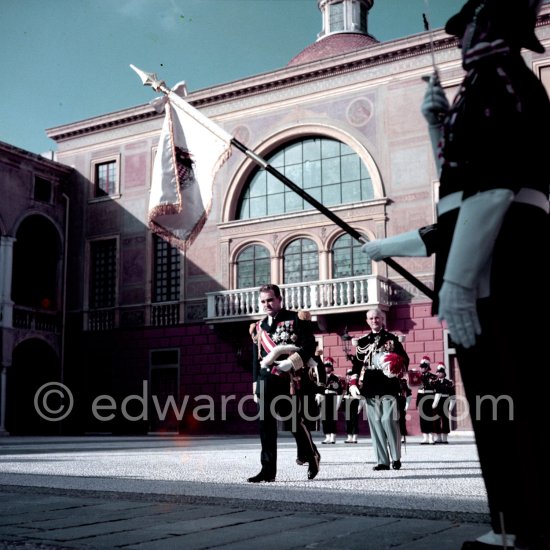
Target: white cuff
x=476, y=231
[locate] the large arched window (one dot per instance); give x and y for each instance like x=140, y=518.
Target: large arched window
x=325, y=168
x=301, y=261
x=253, y=267
x=348, y=260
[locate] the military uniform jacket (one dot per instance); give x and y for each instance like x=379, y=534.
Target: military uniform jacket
x=405, y=388
x=444, y=386
x=372, y=381
x=286, y=328
x=334, y=385
x=492, y=140
x=427, y=380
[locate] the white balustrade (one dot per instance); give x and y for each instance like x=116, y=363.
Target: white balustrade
x=317, y=296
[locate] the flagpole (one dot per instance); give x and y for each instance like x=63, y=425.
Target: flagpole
x=150, y=79
x=331, y=215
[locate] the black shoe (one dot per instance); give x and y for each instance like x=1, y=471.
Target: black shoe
x=396, y=465
x=313, y=469
x=379, y=467
x=300, y=461
x=262, y=476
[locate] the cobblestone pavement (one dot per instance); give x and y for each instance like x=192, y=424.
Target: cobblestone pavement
x=190, y=493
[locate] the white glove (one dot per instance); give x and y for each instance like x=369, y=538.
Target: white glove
x=452, y=403
x=457, y=305
x=285, y=365
x=254, y=387
x=408, y=402
x=435, y=104
x=354, y=391
x=468, y=265
x=319, y=398
x=404, y=244
x=436, y=400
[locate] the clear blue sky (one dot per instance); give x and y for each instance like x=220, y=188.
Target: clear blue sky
x=62, y=61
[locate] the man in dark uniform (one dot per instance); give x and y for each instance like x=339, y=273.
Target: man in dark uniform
x=283, y=345
x=424, y=402
x=333, y=393
x=379, y=383
x=442, y=404
x=492, y=146
x=353, y=407
x=403, y=402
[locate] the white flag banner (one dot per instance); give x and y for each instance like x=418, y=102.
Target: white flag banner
x=190, y=152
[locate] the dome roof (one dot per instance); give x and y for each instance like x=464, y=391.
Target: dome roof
x=331, y=45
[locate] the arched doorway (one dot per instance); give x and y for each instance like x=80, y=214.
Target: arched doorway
x=36, y=264
x=34, y=363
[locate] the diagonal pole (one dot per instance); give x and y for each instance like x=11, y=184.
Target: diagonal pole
x=150, y=79
x=331, y=215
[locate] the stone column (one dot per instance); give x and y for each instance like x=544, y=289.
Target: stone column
x=6, y=267
x=3, y=380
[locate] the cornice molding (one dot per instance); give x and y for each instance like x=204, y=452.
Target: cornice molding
x=8, y=152
x=371, y=56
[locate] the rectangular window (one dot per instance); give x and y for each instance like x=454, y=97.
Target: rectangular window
x=103, y=273
x=166, y=275
x=360, y=12
x=105, y=178
x=351, y=168
x=42, y=190
x=276, y=204
x=337, y=17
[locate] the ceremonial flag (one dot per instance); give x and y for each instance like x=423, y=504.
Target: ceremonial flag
x=190, y=152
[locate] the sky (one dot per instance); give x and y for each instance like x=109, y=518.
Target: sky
x=64, y=61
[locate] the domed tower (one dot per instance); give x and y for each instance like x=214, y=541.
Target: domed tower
x=345, y=29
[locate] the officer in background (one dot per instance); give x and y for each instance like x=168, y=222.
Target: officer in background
x=403, y=402
x=443, y=404
x=283, y=349
x=378, y=380
x=424, y=402
x=353, y=407
x=310, y=389
x=333, y=396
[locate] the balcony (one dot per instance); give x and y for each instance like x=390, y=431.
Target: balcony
x=319, y=297
x=158, y=314
x=36, y=320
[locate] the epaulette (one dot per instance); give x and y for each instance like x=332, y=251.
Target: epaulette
x=304, y=315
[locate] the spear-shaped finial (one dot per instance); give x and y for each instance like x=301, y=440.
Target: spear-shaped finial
x=151, y=79
x=427, y=28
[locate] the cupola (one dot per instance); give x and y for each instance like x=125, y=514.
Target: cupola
x=345, y=29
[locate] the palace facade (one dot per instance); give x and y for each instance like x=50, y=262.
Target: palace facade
x=149, y=339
